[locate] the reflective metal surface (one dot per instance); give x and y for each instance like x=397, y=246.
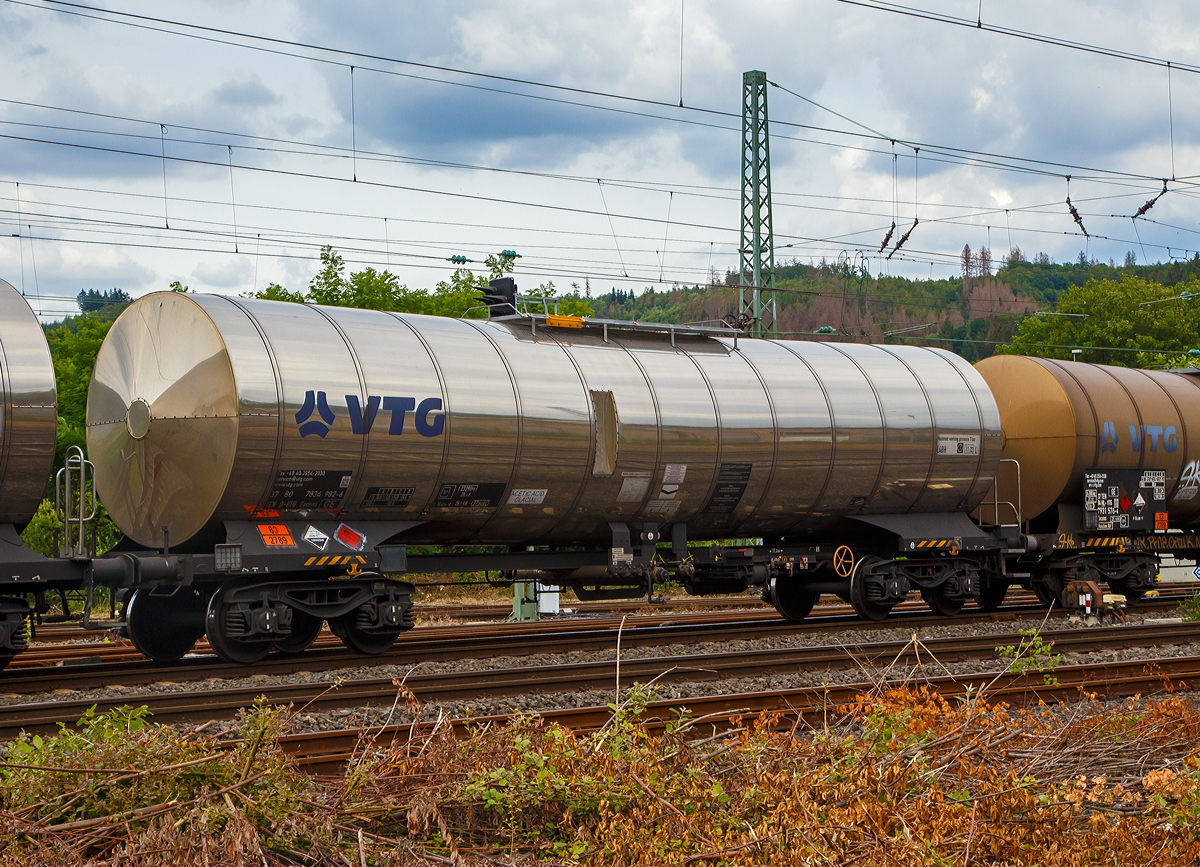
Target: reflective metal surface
x=163, y=353
x=28, y=409
x=1062, y=419
x=491, y=431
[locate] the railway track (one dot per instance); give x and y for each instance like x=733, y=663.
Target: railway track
x=327, y=752
x=77, y=667
x=203, y=704
x=60, y=632
x=56, y=633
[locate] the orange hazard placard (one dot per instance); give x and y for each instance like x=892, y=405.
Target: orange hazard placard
x=276, y=535
x=1160, y=520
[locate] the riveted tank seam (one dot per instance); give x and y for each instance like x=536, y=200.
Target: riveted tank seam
x=1191, y=381
x=774, y=430
x=1182, y=430
x=1137, y=411
x=833, y=432
x=658, y=433
x=5, y=419
x=933, y=424
x=587, y=402
x=720, y=430
x=882, y=429
x=449, y=423
x=357, y=484
x=1095, y=419
x=962, y=503
x=281, y=408
x=520, y=449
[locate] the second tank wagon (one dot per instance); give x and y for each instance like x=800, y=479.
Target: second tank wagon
x=1067, y=421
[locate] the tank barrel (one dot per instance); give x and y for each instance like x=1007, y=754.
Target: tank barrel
x=516, y=429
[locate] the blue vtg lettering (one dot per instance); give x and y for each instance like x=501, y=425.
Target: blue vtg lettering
x=1139, y=433
x=427, y=416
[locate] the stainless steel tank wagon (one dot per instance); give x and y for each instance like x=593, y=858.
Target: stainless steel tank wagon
x=270, y=465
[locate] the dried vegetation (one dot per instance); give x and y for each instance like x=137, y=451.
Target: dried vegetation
x=901, y=777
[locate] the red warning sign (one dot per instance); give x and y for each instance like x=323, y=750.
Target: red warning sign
x=351, y=538
x=276, y=535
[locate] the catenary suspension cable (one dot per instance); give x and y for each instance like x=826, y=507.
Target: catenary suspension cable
x=131, y=19
x=941, y=18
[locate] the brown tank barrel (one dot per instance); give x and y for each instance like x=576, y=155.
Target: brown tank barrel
x=1062, y=419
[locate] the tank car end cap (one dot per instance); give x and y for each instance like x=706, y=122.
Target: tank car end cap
x=1039, y=430
x=162, y=419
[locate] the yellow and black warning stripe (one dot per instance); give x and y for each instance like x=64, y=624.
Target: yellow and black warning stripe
x=335, y=560
x=936, y=543
x=1108, y=542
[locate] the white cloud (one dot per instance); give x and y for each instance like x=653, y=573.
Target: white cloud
x=225, y=274
x=101, y=218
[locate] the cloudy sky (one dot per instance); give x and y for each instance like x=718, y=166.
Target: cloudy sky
x=222, y=143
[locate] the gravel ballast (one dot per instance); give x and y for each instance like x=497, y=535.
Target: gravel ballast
x=851, y=672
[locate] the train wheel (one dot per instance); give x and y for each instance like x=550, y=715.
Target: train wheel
x=305, y=629
x=223, y=624
x=991, y=594
x=863, y=606
x=791, y=599
x=165, y=628
x=941, y=604
x=5, y=658
x=1046, y=595
x=358, y=639
x=1122, y=587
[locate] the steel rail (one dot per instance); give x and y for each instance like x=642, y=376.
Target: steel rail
x=86, y=666
x=484, y=683
x=56, y=632
x=63, y=632
x=327, y=752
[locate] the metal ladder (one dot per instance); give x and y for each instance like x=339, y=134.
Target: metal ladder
x=75, y=505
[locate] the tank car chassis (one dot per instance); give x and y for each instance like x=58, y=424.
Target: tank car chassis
x=249, y=597
x=246, y=602
x=249, y=594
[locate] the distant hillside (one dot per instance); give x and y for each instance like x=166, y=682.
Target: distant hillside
x=966, y=315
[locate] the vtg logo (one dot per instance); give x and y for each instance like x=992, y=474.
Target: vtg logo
x=1109, y=439
x=427, y=415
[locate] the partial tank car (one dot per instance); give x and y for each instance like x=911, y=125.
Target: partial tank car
x=28, y=432
x=1094, y=456
x=28, y=409
x=1064, y=420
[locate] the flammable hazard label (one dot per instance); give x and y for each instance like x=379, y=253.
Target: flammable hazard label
x=276, y=536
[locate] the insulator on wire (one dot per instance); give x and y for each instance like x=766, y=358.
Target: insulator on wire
x=903, y=238
x=888, y=237
x=1075, y=216
x=1150, y=204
